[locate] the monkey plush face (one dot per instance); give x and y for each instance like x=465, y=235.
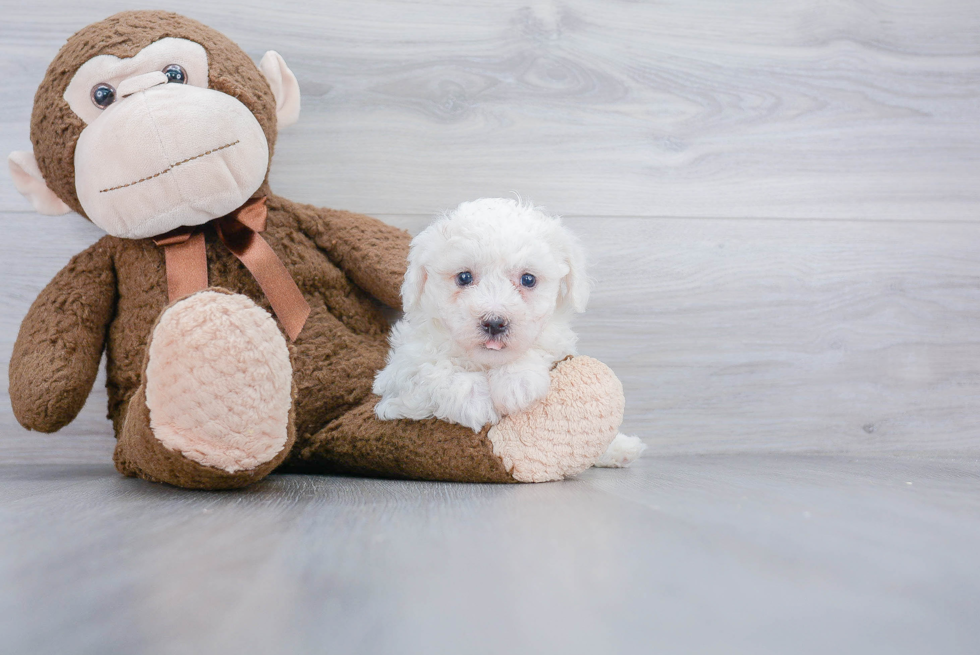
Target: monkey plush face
x=158, y=142
x=149, y=121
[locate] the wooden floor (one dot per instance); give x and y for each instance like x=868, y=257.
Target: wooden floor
x=782, y=210
x=683, y=554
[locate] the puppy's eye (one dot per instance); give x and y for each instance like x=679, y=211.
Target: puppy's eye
x=103, y=95
x=464, y=279
x=528, y=280
x=175, y=74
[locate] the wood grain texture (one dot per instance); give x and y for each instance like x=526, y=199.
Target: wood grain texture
x=729, y=554
x=708, y=109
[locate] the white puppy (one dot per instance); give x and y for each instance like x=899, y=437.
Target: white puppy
x=488, y=298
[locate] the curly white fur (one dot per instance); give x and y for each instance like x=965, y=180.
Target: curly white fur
x=479, y=338
x=444, y=360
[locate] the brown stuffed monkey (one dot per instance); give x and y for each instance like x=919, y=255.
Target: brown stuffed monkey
x=242, y=330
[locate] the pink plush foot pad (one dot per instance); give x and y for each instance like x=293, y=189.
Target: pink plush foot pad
x=569, y=430
x=219, y=381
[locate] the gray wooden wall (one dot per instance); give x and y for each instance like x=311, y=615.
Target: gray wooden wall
x=781, y=199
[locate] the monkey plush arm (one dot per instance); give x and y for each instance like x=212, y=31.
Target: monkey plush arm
x=57, y=353
x=370, y=252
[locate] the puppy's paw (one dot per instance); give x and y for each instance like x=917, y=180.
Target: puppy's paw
x=467, y=401
x=515, y=391
x=387, y=409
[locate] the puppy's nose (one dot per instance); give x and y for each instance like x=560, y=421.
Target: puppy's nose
x=494, y=326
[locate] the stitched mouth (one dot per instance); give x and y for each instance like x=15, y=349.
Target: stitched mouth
x=172, y=166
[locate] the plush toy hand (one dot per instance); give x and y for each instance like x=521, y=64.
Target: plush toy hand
x=569, y=430
x=59, y=347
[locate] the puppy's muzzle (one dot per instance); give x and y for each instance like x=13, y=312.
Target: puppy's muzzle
x=494, y=326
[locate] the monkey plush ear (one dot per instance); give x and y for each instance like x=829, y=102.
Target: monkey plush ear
x=29, y=181
x=416, y=274
x=284, y=87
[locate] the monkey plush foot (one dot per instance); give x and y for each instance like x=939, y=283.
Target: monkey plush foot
x=567, y=431
x=214, y=407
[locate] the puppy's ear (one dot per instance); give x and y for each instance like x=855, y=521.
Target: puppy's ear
x=575, y=286
x=413, y=286
x=416, y=274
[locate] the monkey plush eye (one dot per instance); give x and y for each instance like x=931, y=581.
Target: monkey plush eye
x=528, y=280
x=103, y=95
x=464, y=279
x=175, y=73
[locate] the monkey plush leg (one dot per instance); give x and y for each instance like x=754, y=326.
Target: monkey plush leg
x=214, y=408
x=360, y=443
x=560, y=436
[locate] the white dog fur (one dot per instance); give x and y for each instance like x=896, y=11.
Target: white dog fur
x=488, y=298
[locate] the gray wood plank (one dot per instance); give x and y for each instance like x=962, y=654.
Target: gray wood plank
x=713, y=109
x=725, y=554
x=790, y=335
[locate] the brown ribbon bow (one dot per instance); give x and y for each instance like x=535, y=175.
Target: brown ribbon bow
x=187, y=263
